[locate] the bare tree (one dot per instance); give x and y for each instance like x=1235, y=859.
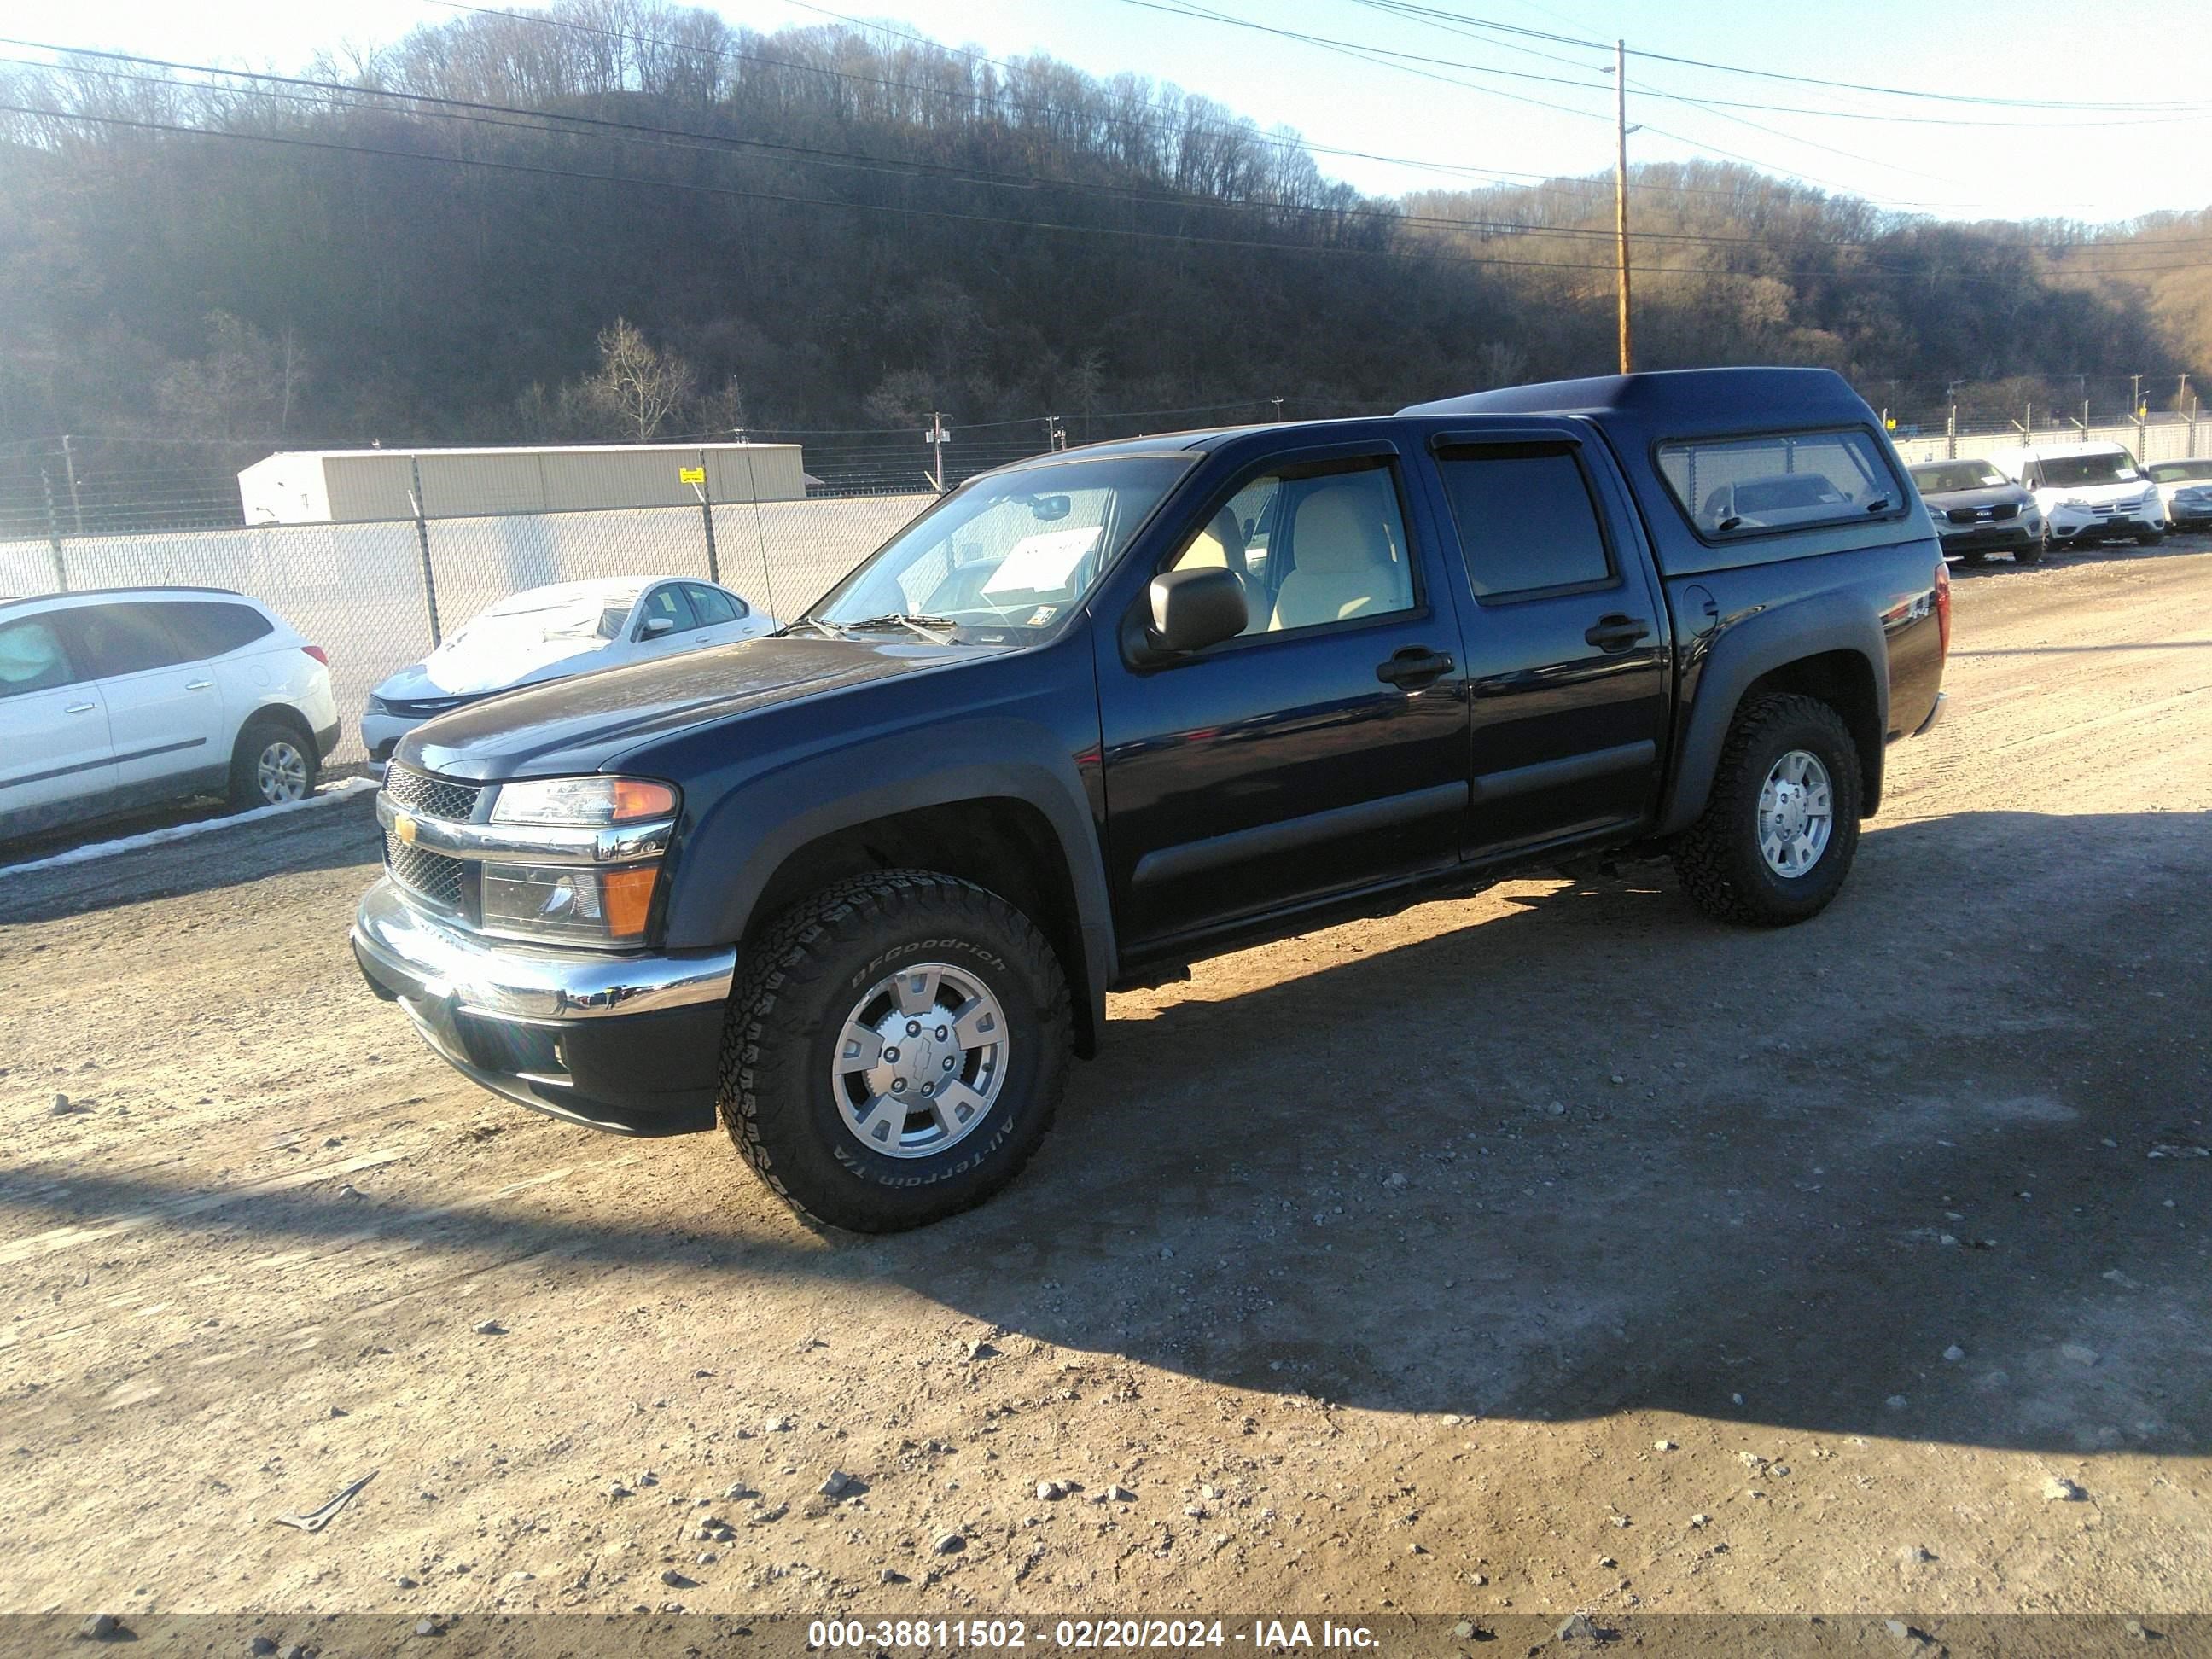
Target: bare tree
x=646, y=387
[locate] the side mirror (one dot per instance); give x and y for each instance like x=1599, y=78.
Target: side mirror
x=657, y=626
x=1194, y=609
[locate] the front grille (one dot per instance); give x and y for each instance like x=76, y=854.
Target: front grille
x=431, y=798
x=1983, y=515
x=422, y=708
x=431, y=876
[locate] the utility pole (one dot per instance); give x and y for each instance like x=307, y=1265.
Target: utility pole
x=1278, y=403
x=937, y=437
x=1621, y=196
x=1055, y=434
x=2181, y=397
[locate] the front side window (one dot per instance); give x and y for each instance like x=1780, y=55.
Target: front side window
x=1728, y=487
x=1312, y=546
x=127, y=638
x=1527, y=524
x=32, y=659
x=1008, y=555
x=665, y=601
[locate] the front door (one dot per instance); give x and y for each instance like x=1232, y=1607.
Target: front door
x=1567, y=648
x=54, y=750
x=1322, y=751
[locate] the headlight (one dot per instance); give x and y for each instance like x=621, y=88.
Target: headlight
x=376, y=705
x=601, y=892
x=593, y=800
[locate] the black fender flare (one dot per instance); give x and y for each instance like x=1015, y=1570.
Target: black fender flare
x=747, y=835
x=1744, y=648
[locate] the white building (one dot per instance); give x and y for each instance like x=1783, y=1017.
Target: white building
x=351, y=486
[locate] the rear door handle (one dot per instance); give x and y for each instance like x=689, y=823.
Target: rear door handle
x=80, y=709
x=1415, y=666
x=1617, y=633
x=199, y=685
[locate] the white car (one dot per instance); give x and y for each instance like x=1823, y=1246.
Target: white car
x=128, y=696
x=2089, y=492
x=551, y=633
x=1776, y=500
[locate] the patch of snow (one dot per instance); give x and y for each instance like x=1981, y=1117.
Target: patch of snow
x=323, y=796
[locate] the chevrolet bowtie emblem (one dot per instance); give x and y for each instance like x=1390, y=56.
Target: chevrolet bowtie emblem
x=403, y=827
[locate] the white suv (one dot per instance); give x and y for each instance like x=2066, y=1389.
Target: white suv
x=120, y=698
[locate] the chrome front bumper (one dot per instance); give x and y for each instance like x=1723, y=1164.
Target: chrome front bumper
x=627, y=1043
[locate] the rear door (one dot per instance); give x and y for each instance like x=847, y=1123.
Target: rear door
x=1321, y=752
x=1568, y=655
x=722, y=617
x=54, y=748
x=165, y=711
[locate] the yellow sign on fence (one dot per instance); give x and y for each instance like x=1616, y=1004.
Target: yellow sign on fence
x=691, y=475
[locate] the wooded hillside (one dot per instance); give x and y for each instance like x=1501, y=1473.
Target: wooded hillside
x=828, y=229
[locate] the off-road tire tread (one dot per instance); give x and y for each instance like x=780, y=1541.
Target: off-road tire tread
x=1710, y=856
x=790, y=953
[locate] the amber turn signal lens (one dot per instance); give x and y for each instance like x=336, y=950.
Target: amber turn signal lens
x=639, y=798
x=625, y=896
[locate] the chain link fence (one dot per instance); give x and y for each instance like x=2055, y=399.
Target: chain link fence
x=378, y=596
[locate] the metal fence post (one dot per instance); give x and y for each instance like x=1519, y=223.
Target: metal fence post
x=707, y=516
x=54, y=532
x=423, y=541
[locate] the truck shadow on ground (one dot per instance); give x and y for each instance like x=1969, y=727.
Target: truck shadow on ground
x=1570, y=1149
x=1596, y=1154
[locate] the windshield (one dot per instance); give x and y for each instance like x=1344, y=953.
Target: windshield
x=586, y=617
x=1957, y=475
x=2116, y=468
x=2181, y=471
x=1010, y=554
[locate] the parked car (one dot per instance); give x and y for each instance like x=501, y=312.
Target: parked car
x=1979, y=511
x=2089, y=492
x=861, y=887
x=553, y=633
x=1773, y=501
x=129, y=696
x=2185, y=487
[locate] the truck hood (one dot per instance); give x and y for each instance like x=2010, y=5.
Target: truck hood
x=581, y=724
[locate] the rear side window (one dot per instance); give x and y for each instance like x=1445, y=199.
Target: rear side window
x=713, y=606
x=1730, y=487
x=32, y=659
x=127, y=638
x=1527, y=524
x=209, y=627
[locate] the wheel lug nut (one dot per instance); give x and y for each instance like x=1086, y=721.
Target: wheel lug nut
x=890, y=1056
x=913, y=1028
x=929, y=1089
x=942, y=1033
x=898, y=1085
x=948, y=1062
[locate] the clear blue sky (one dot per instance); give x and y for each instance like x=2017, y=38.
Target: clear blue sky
x=2009, y=162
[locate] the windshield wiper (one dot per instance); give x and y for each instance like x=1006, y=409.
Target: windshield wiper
x=816, y=622
x=928, y=627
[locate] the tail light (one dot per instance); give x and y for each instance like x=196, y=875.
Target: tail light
x=318, y=654
x=1944, y=606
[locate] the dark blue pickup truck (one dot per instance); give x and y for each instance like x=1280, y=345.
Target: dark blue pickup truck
x=858, y=890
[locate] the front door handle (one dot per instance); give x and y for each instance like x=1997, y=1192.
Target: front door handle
x=1416, y=666
x=1617, y=632
x=199, y=685
x=80, y=709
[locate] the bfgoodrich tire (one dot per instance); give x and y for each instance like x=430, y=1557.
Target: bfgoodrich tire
x=1782, y=824
x=896, y=1050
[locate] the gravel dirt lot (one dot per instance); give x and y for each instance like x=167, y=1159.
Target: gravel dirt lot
x=1549, y=1249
